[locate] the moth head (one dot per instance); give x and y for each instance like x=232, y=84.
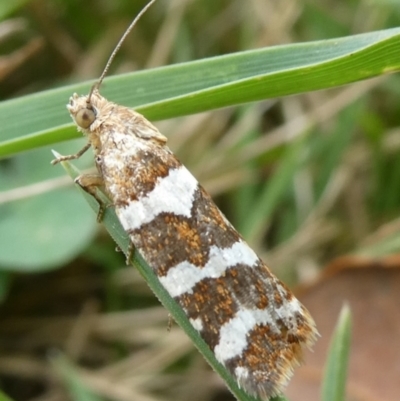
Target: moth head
x=81, y=107
x=85, y=117
x=82, y=111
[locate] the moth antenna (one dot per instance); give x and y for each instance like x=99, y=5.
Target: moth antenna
x=116, y=49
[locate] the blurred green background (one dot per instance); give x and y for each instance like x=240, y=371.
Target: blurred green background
x=304, y=178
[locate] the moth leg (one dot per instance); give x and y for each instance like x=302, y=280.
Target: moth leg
x=71, y=157
x=129, y=255
x=90, y=183
x=170, y=322
x=131, y=251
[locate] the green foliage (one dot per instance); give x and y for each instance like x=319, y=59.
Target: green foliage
x=334, y=382
x=76, y=388
x=189, y=88
x=207, y=84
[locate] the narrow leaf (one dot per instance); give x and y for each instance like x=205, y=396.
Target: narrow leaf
x=197, y=86
x=77, y=389
x=334, y=382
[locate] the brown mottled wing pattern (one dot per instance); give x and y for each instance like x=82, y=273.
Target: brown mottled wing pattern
x=250, y=320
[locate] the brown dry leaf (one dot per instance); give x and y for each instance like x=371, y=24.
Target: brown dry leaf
x=372, y=290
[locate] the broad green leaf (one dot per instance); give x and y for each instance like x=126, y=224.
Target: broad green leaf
x=49, y=229
x=38, y=234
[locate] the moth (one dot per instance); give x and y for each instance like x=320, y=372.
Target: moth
x=249, y=319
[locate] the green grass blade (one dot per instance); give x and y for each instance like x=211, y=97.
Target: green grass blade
x=76, y=388
x=5, y=397
x=334, y=382
x=273, y=192
x=193, y=87
x=7, y=8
